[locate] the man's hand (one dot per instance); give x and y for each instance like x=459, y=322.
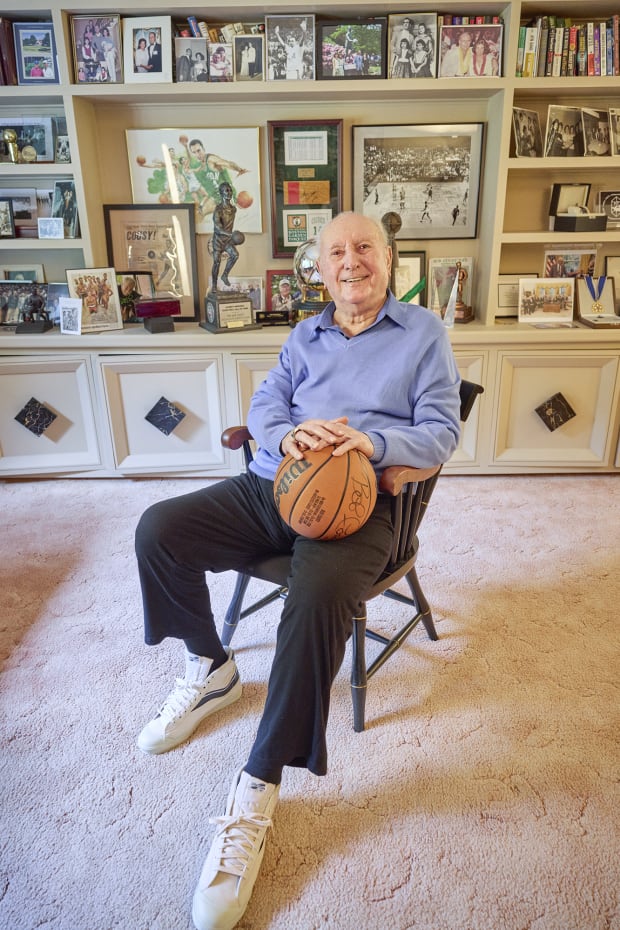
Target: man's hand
x=317, y=434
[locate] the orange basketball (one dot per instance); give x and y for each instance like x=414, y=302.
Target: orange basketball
x=244, y=200
x=325, y=496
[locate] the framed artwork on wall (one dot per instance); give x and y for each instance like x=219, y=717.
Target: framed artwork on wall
x=428, y=174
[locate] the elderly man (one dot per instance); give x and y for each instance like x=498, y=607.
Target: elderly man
x=369, y=373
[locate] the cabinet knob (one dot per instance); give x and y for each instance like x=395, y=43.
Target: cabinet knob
x=35, y=416
x=165, y=416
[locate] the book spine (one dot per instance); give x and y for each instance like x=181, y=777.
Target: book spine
x=582, y=52
x=204, y=29
x=193, y=25
x=550, y=48
x=542, y=47
x=557, y=51
x=597, y=50
x=571, y=68
x=520, y=52
x=590, y=49
x=610, y=49
x=616, y=30
x=602, y=37
x=564, y=59
x=529, y=55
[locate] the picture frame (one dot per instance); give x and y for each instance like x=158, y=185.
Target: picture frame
x=441, y=276
x=527, y=133
x=290, y=47
x=608, y=202
x=417, y=58
x=62, y=151
x=34, y=138
x=160, y=238
x=70, y=316
x=24, y=201
x=97, y=48
x=595, y=128
x=96, y=288
x=305, y=173
x=55, y=291
x=7, y=223
x=391, y=174
x=191, y=57
x=178, y=165
x=221, y=65
x=35, y=53
x=50, y=227
x=31, y=272
x=410, y=271
x=147, y=50
x=548, y=300
x=568, y=263
x=281, y=293
x=351, y=49
x=614, y=130
x=470, y=51
x=612, y=270
x=21, y=301
x=64, y=206
x=564, y=132
x=508, y=293
x=249, y=57
x=596, y=302
x=252, y=286
x=133, y=285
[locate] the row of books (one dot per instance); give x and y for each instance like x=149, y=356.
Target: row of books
x=223, y=32
x=553, y=46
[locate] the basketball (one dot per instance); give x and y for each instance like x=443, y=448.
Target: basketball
x=237, y=237
x=325, y=496
x=244, y=200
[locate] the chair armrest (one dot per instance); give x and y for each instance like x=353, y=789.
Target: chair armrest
x=395, y=477
x=234, y=437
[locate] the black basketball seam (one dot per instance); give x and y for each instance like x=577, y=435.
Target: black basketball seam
x=344, y=487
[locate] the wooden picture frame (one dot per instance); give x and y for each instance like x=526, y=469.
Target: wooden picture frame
x=249, y=55
x=290, y=47
x=410, y=271
x=147, y=50
x=351, y=49
x=35, y=53
x=391, y=174
x=412, y=45
x=281, y=293
x=96, y=288
x=7, y=222
x=160, y=238
x=305, y=167
x=548, y=300
x=470, y=51
x=97, y=48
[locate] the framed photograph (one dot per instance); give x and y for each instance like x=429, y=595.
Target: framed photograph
x=412, y=45
x=161, y=239
x=147, y=50
x=442, y=274
x=595, y=126
x=249, y=58
x=35, y=53
x=546, y=299
x=97, y=49
x=22, y=273
x=51, y=227
x=21, y=301
x=62, y=153
x=408, y=273
x=24, y=201
x=527, y=133
x=70, y=316
x=614, y=130
x=508, y=293
x=564, y=133
x=573, y=263
x=7, y=223
x=428, y=174
x=64, y=205
x=34, y=138
x=188, y=165
x=132, y=286
x=352, y=49
x=305, y=166
x=290, y=43
x=221, y=67
x=612, y=270
x=608, y=202
x=191, y=60
x=281, y=292
x=470, y=51
x=55, y=291
x=596, y=303
x=96, y=288
x=251, y=285
x=45, y=198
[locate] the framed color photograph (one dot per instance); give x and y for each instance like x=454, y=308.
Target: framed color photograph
x=64, y=205
x=527, y=133
x=96, y=288
x=305, y=165
x=35, y=53
x=249, y=58
x=97, y=56
x=470, y=51
x=570, y=263
x=221, y=68
x=564, y=133
x=160, y=239
x=290, y=42
x=442, y=274
x=428, y=174
x=548, y=300
x=352, y=49
x=191, y=60
x=281, y=293
x=34, y=138
x=188, y=165
x=7, y=223
x=29, y=272
x=147, y=50
x=412, y=45
x=410, y=272
x=55, y=291
x=132, y=286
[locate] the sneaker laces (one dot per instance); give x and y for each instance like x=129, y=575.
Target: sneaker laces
x=180, y=699
x=239, y=836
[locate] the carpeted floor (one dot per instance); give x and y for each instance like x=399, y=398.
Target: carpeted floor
x=484, y=794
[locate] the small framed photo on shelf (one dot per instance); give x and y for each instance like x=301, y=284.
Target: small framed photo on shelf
x=147, y=50
x=249, y=57
x=221, y=67
x=571, y=263
x=305, y=164
x=281, y=294
x=191, y=60
x=352, y=49
x=35, y=53
x=97, y=54
x=251, y=286
x=96, y=288
x=55, y=291
x=564, y=133
x=548, y=300
x=412, y=45
x=132, y=287
x=7, y=223
x=24, y=200
x=290, y=45
x=62, y=153
x=29, y=272
x=470, y=51
x=391, y=174
x=409, y=277
x=51, y=227
x=33, y=137
x=608, y=202
x=508, y=293
x=442, y=273
x=527, y=133
x=64, y=205
x=596, y=302
x=614, y=130
x=595, y=126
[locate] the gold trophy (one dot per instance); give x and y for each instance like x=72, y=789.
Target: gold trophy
x=462, y=313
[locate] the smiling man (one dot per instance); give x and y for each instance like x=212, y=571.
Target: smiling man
x=369, y=373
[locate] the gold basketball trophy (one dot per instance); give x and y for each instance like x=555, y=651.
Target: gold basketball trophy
x=462, y=313
x=314, y=295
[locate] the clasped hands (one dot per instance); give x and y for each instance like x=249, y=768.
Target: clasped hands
x=316, y=434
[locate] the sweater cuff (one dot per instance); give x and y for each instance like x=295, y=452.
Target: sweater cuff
x=379, y=445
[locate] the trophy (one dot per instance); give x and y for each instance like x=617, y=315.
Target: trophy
x=314, y=295
x=462, y=313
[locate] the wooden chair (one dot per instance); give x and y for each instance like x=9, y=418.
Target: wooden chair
x=411, y=490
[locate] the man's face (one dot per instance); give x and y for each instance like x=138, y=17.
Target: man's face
x=464, y=40
x=285, y=290
x=151, y=38
x=197, y=150
x=354, y=262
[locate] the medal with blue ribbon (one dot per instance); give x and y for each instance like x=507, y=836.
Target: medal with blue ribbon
x=597, y=306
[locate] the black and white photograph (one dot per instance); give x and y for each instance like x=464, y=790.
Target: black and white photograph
x=97, y=54
x=429, y=175
x=249, y=52
x=595, y=124
x=191, y=60
x=470, y=51
x=62, y=155
x=55, y=291
x=290, y=48
x=24, y=201
x=608, y=202
x=65, y=207
x=564, y=134
x=7, y=223
x=614, y=130
x=412, y=45
x=70, y=316
x=353, y=49
x=527, y=133
x=51, y=227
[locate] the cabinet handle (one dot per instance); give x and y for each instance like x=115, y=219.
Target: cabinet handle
x=555, y=411
x=35, y=416
x=165, y=416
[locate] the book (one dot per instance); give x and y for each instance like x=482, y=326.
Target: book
x=550, y=49
x=529, y=53
x=542, y=47
x=571, y=68
x=590, y=49
x=564, y=58
x=8, y=64
x=557, y=51
x=597, y=49
x=520, y=52
x=193, y=25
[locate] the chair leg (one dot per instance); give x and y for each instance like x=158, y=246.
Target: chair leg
x=234, y=608
x=422, y=604
x=358, y=670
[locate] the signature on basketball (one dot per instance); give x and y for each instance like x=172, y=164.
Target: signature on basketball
x=360, y=502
